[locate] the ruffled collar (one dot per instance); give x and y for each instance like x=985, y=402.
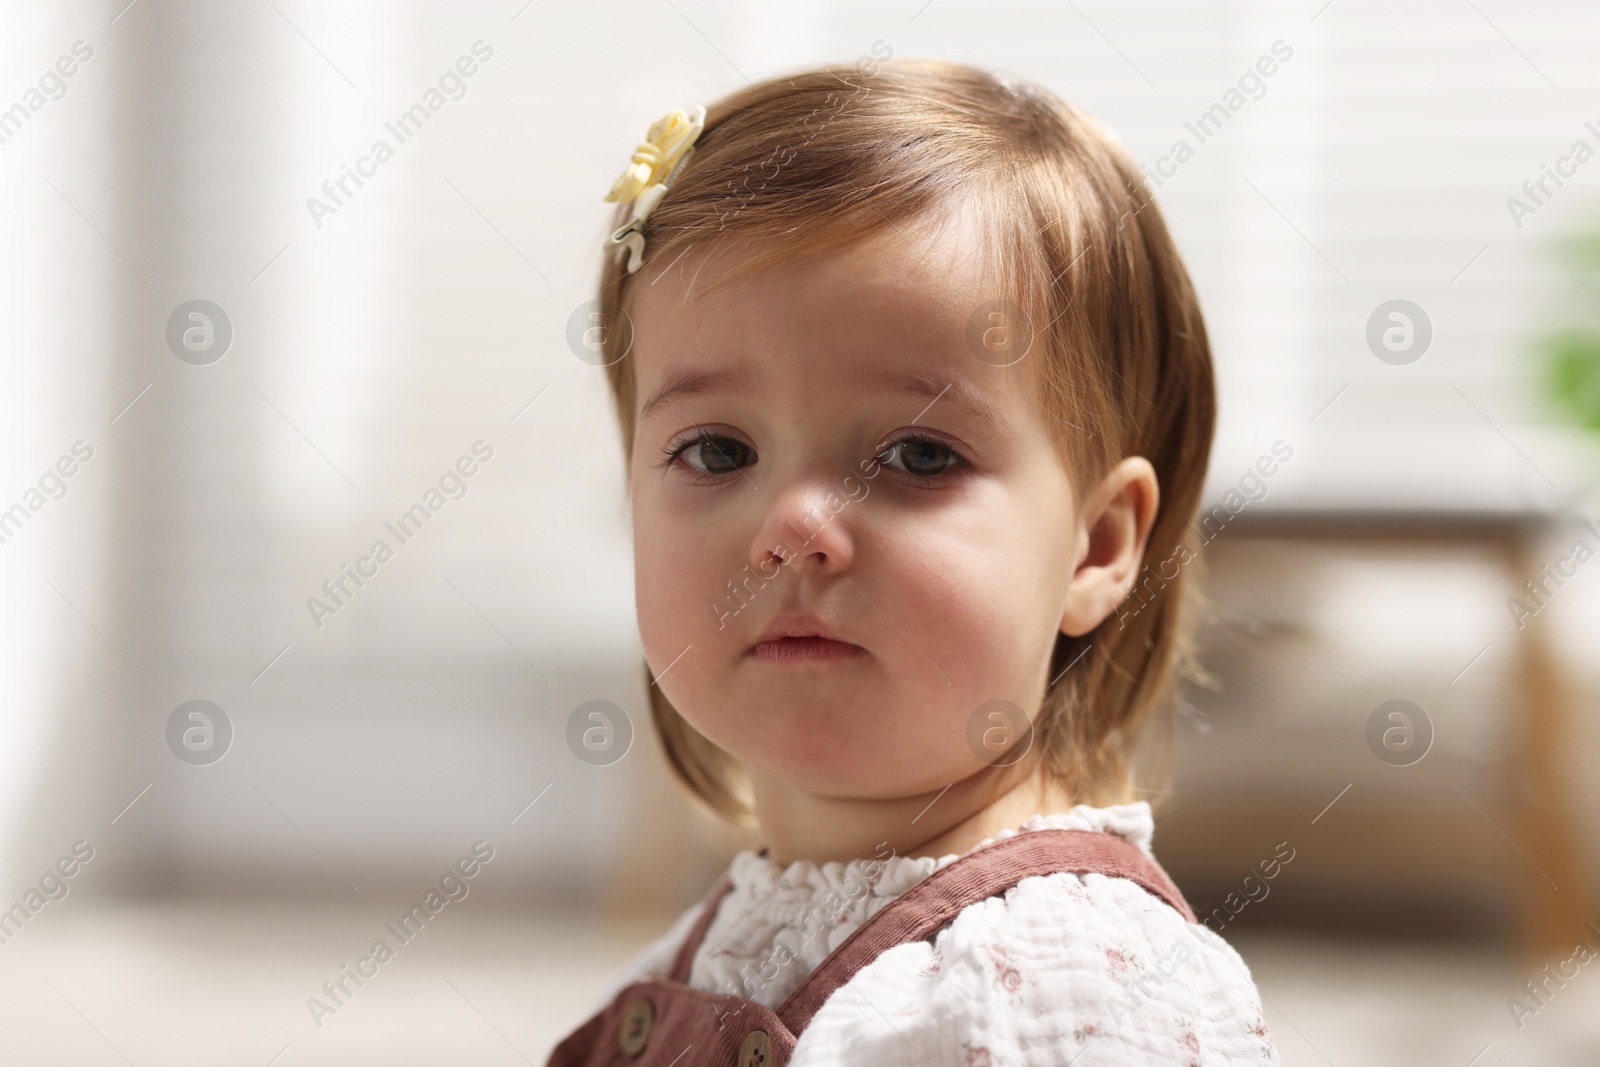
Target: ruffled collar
x=889, y=875
x=780, y=921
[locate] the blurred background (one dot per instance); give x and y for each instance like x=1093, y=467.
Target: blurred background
x=226, y=379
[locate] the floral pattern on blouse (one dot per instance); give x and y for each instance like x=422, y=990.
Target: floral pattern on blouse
x=1057, y=965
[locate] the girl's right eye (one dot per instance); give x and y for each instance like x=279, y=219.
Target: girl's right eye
x=709, y=455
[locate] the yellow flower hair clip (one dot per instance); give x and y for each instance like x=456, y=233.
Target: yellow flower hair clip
x=655, y=163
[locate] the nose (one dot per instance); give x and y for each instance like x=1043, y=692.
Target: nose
x=803, y=527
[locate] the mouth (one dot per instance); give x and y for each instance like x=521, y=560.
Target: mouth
x=810, y=649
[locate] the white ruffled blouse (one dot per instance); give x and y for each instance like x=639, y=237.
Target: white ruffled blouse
x=1034, y=976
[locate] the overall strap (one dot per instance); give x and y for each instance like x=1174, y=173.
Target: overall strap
x=933, y=903
x=697, y=932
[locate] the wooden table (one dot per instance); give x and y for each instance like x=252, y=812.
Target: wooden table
x=1553, y=890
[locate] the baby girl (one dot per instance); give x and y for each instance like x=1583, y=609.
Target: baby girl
x=914, y=393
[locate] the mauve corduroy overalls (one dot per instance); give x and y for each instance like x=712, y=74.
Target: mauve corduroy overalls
x=665, y=1023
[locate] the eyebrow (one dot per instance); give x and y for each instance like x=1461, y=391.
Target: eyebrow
x=696, y=383
x=923, y=386
x=912, y=384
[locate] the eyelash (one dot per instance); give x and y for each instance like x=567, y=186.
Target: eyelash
x=683, y=444
x=675, y=449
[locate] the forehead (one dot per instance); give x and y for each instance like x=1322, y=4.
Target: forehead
x=891, y=313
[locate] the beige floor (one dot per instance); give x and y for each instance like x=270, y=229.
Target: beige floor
x=90, y=983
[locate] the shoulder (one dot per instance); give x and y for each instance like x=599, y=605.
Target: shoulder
x=1040, y=973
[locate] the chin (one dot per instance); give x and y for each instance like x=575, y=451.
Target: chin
x=838, y=780
x=805, y=751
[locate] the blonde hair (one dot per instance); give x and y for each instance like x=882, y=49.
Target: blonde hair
x=818, y=159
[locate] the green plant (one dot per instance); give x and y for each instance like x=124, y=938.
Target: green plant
x=1572, y=353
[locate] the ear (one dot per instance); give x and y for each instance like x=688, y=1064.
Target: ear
x=1113, y=525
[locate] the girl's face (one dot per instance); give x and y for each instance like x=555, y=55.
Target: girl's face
x=911, y=489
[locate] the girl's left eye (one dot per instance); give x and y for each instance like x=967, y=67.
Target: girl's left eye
x=920, y=457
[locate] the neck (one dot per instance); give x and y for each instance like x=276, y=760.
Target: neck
x=800, y=825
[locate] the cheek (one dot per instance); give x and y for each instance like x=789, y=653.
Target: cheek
x=979, y=592
x=663, y=578
x=682, y=564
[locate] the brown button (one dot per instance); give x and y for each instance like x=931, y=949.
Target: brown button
x=756, y=1050
x=635, y=1029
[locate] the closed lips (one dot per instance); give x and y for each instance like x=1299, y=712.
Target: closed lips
x=805, y=650
x=802, y=640
x=782, y=630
